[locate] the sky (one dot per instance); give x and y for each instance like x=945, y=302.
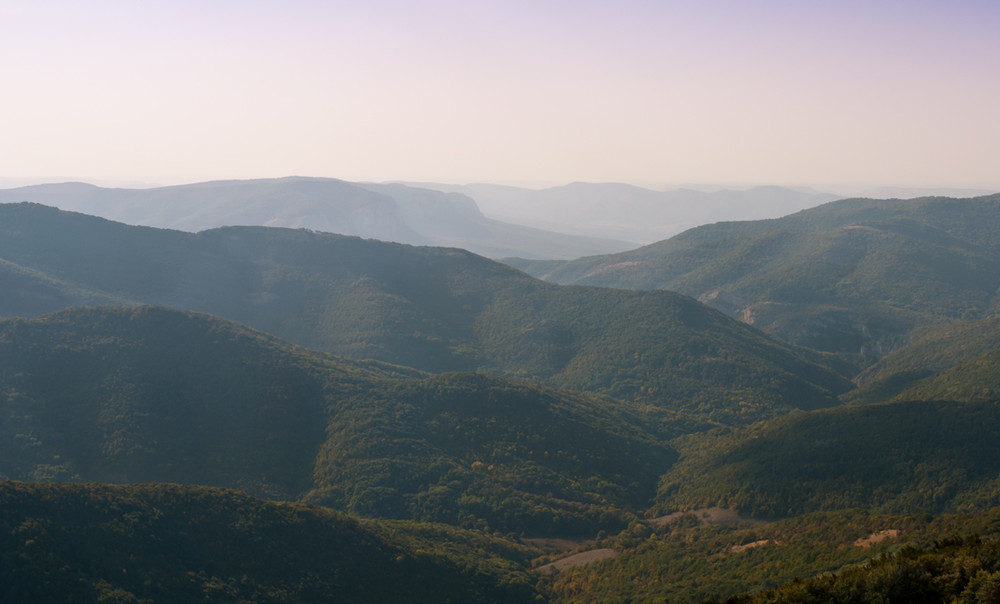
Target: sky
x=653, y=93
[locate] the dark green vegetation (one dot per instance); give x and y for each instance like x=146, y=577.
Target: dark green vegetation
x=167, y=543
x=962, y=352
x=900, y=457
x=149, y=394
x=478, y=451
x=964, y=571
x=846, y=276
x=688, y=561
x=430, y=308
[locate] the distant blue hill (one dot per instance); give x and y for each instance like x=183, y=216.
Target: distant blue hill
x=394, y=213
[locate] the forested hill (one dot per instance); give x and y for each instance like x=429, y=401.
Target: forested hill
x=845, y=275
x=436, y=309
x=948, y=361
x=168, y=543
x=962, y=570
x=927, y=456
x=156, y=395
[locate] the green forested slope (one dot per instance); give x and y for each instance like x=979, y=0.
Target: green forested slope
x=115, y=395
x=168, y=543
x=963, y=571
x=431, y=308
x=470, y=449
x=900, y=457
x=949, y=361
x=976, y=380
x=150, y=394
x=847, y=274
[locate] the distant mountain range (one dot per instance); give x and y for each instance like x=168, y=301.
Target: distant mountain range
x=497, y=221
x=631, y=213
x=387, y=212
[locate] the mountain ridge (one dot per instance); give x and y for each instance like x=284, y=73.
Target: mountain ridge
x=386, y=212
x=845, y=276
x=435, y=309
x=629, y=212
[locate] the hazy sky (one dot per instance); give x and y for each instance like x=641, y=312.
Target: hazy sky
x=521, y=91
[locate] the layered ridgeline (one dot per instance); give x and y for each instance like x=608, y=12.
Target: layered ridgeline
x=629, y=212
x=435, y=309
x=168, y=543
x=156, y=395
x=388, y=212
x=849, y=275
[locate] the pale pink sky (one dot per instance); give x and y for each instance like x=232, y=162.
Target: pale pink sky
x=900, y=93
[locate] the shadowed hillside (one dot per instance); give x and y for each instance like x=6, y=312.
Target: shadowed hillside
x=156, y=395
x=167, y=543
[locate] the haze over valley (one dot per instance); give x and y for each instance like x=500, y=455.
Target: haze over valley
x=500, y=302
